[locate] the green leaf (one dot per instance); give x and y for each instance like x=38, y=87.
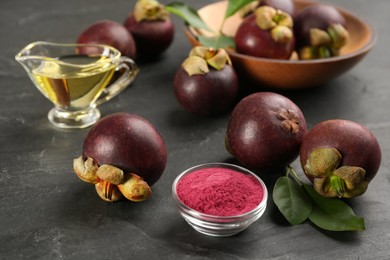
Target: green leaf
x=332, y=213
x=291, y=200
x=235, y=5
x=188, y=14
x=219, y=41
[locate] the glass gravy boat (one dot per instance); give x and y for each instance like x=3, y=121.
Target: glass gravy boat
x=76, y=78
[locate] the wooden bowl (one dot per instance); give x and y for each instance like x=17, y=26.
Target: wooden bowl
x=293, y=73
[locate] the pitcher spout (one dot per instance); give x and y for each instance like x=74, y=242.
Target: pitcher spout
x=32, y=55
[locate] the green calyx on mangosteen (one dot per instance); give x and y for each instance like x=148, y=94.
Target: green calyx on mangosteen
x=200, y=58
x=149, y=10
x=331, y=180
x=279, y=22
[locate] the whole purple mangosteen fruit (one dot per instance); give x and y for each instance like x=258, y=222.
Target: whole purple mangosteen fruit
x=320, y=31
x=151, y=26
x=128, y=142
x=265, y=131
x=206, y=83
x=110, y=33
x=122, y=155
x=340, y=157
x=266, y=33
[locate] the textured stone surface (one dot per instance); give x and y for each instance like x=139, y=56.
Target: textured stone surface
x=46, y=212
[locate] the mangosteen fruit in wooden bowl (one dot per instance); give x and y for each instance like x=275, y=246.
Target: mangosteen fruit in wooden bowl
x=341, y=40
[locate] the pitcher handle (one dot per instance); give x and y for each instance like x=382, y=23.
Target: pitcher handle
x=130, y=73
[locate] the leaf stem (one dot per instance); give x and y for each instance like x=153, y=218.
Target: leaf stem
x=221, y=27
x=290, y=171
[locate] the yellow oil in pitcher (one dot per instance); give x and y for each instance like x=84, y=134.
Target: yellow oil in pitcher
x=75, y=87
x=76, y=78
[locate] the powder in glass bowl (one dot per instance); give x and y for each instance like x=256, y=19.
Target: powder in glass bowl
x=220, y=191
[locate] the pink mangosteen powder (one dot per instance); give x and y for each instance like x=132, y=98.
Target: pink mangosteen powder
x=220, y=191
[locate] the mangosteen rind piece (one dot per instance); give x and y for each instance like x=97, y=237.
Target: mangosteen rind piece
x=86, y=170
x=111, y=183
x=134, y=188
x=107, y=191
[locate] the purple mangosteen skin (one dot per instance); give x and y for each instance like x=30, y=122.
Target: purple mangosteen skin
x=315, y=16
x=253, y=41
x=129, y=142
x=356, y=143
x=206, y=94
x=151, y=37
x=255, y=136
x=110, y=33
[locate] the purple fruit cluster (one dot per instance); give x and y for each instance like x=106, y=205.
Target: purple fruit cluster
x=276, y=29
x=267, y=131
x=146, y=32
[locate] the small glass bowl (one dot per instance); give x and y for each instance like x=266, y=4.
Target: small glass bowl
x=219, y=226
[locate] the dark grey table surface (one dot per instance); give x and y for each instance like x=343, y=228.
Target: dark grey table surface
x=46, y=212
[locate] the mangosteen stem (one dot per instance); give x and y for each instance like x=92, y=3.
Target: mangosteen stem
x=334, y=185
x=221, y=27
x=291, y=172
x=338, y=185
